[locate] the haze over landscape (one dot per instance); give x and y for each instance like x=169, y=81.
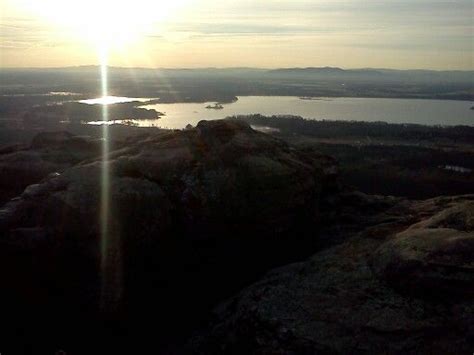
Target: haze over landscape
x=236, y=177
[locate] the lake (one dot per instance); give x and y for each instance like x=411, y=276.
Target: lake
x=428, y=112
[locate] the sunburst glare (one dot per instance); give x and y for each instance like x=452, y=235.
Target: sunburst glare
x=105, y=180
x=105, y=23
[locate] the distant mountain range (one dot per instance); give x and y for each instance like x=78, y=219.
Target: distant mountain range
x=309, y=73
x=374, y=74
x=224, y=84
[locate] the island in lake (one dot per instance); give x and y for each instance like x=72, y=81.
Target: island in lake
x=216, y=106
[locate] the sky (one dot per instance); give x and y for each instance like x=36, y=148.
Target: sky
x=399, y=34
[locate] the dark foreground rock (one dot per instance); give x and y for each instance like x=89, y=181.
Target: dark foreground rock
x=218, y=176
x=401, y=286
x=49, y=152
x=130, y=252
x=191, y=216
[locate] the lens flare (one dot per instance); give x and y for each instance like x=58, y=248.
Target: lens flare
x=105, y=153
x=104, y=186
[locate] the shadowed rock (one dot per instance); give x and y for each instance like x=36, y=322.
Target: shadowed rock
x=196, y=214
x=186, y=208
x=220, y=176
x=433, y=258
x=49, y=152
x=339, y=301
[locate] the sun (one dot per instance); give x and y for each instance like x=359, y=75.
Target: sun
x=104, y=23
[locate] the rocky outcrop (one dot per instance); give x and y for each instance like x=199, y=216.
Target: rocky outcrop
x=433, y=258
x=399, y=286
x=195, y=212
x=222, y=174
x=49, y=152
x=171, y=222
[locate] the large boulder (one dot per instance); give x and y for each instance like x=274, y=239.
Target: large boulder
x=433, y=258
x=339, y=301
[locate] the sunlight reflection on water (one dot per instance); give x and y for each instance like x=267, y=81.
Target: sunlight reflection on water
x=110, y=100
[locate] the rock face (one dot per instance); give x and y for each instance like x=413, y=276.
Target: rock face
x=221, y=174
x=399, y=286
x=433, y=258
x=49, y=152
x=170, y=223
x=185, y=209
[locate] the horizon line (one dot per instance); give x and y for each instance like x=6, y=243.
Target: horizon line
x=233, y=68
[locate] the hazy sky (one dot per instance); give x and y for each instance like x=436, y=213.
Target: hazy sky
x=266, y=33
